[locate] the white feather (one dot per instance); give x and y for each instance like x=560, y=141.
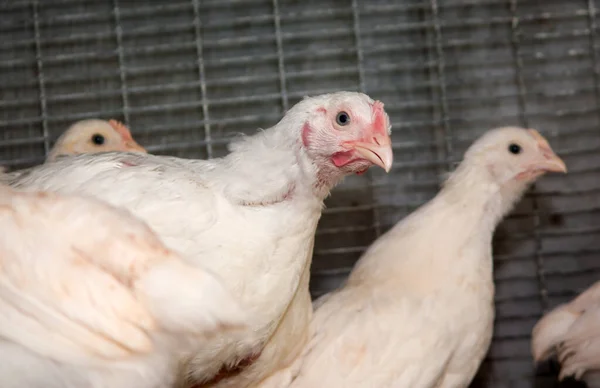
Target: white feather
x=572, y=332
x=249, y=217
x=418, y=308
x=90, y=297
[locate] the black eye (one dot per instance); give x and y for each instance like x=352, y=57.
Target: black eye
x=98, y=139
x=343, y=118
x=514, y=148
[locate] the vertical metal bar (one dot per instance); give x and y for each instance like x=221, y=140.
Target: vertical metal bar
x=592, y=26
x=358, y=42
x=280, y=57
x=202, y=78
x=518, y=63
x=431, y=75
x=121, y=55
x=363, y=88
x=41, y=79
x=441, y=70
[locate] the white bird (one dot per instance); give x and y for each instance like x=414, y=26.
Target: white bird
x=92, y=136
x=249, y=217
x=90, y=297
x=418, y=308
x=572, y=332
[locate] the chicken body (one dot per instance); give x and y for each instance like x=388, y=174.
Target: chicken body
x=249, y=217
x=87, y=297
x=572, y=332
x=283, y=348
x=418, y=309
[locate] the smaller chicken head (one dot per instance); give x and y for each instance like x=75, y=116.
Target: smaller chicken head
x=93, y=136
x=347, y=133
x=516, y=154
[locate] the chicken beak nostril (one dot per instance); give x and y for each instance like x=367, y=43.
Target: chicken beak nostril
x=376, y=141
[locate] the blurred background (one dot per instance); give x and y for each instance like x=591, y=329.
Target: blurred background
x=188, y=75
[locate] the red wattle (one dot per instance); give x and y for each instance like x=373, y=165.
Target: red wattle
x=342, y=158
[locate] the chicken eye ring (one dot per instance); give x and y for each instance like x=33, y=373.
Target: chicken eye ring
x=342, y=119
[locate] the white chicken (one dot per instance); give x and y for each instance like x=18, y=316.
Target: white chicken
x=90, y=297
x=249, y=217
x=572, y=332
x=94, y=136
x=417, y=310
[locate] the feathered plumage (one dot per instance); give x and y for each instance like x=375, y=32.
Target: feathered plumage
x=572, y=332
x=250, y=216
x=89, y=296
x=417, y=310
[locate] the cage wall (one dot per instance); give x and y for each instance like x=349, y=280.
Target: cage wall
x=188, y=75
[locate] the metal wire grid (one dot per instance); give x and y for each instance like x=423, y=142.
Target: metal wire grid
x=187, y=75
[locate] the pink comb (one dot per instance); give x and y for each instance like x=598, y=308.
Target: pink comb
x=379, y=118
x=121, y=129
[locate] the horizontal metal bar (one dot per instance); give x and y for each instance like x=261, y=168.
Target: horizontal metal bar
x=228, y=3
x=23, y=161
x=408, y=6
x=548, y=273
x=16, y=4
x=300, y=75
x=162, y=107
x=140, y=90
x=148, y=109
x=149, y=11
x=249, y=59
x=312, y=14
x=292, y=75
x=230, y=42
x=24, y=141
x=154, y=129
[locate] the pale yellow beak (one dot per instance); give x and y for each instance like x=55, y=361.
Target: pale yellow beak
x=378, y=152
x=549, y=161
x=132, y=146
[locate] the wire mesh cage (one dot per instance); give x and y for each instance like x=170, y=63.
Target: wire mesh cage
x=188, y=75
